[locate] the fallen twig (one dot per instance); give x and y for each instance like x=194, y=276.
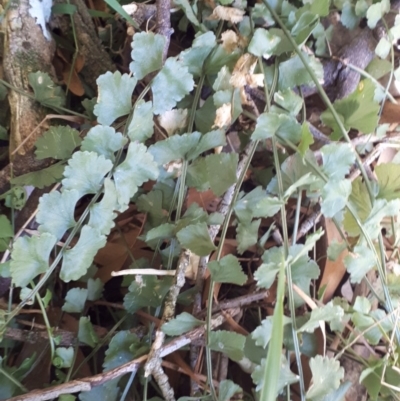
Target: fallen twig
x=88, y=383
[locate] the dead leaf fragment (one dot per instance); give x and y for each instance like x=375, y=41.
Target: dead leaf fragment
x=173, y=120
x=233, y=15
x=223, y=116
x=230, y=40
x=243, y=72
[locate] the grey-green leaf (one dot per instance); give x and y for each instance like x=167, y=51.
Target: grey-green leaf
x=115, y=96
x=227, y=270
x=30, y=257
x=147, y=52
x=170, y=85
x=104, y=141
x=181, y=324
x=196, y=238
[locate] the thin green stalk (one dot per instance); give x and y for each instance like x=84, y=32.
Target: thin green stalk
x=12, y=379
x=224, y=230
x=322, y=93
x=289, y=280
x=128, y=386
x=273, y=363
x=296, y=217
x=47, y=323
x=276, y=319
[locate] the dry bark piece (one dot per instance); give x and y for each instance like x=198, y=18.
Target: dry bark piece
x=97, y=60
x=26, y=50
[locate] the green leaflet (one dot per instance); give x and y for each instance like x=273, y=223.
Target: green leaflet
x=56, y=212
x=86, y=333
x=141, y=125
x=228, y=342
x=57, y=142
x=147, y=51
x=326, y=374
x=196, y=238
x=45, y=90
x=30, y=257
x=104, y=141
x=76, y=261
x=227, y=270
x=80, y=174
x=137, y=168
x=75, y=300
x=115, y=93
x=181, y=324
x=170, y=85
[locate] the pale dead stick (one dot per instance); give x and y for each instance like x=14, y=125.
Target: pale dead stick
x=144, y=272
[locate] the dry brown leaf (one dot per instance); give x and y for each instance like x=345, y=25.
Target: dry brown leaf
x=223, y=116
x=233, y=15
x=333, y=271
x=230, y=40
x=390, y=113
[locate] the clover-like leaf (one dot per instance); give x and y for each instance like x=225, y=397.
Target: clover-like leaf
x=227, y=389
x=326, y=313
x=196, y=238
x=358, y=110
x=263, y=43
x=76, y=261
x=147, y=53
x=292, y=72
x=226, y=165
x=146, y=291
x=388, y=175
x=326, y=376
x=359, y=263
x=208, y=141
x=286, y=376
x=195, y=56
x=137, y=168
x=42, y=178
x=119, y=349
x=337, y=159
x=80, y=174
x=86, y=333
x=262, y=334
x=141, y=125
x=30, y=257
x=181, y=324
x=228, y=342
x=170, y=85
x=46, y=92
x=75, y=300
x=95, y=289
x=102, y=214
x=227, y=270
x=266, y=273
x=63, y=357
x=247, y=234
x=334, y=196
x=115, y=96
x=174, y=148
x=104, y=141
x=56, y=212
x=57, y=142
